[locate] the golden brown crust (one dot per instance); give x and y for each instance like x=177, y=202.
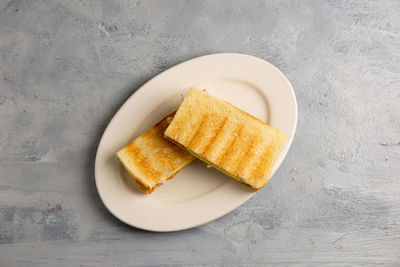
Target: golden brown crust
x=151, y=159
x=227, y=138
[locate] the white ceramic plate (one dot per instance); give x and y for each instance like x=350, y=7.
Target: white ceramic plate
x=197, y=194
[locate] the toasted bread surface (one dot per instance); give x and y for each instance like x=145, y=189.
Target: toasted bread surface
x=151, y=159
x=226, y=138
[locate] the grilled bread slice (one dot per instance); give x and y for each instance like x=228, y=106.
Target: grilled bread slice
x=151, y=159
x=226, y=138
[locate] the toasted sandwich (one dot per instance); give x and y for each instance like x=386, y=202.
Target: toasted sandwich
x=226, y=138
x=151, y=159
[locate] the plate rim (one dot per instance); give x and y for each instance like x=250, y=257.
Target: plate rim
x=140, y=89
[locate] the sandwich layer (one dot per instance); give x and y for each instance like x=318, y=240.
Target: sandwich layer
x=226, y=138
x=151, y=159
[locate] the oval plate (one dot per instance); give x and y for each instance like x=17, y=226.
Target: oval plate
x=196, y=195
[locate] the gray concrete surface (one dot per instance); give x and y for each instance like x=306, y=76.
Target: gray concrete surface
x=66, y=67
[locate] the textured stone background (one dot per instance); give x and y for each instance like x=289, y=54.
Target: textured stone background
x=66, y=67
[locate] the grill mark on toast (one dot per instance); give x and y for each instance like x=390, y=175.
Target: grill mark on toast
x=238, y=166
x=217, y=132
x=154, y=145
x=200, y=124
x=142, y=185
x=236, y=151
x=164, y=153
x=247, y=162
x=142, y=163
x=236, y=134
x=162, y=159
x=263, y=164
